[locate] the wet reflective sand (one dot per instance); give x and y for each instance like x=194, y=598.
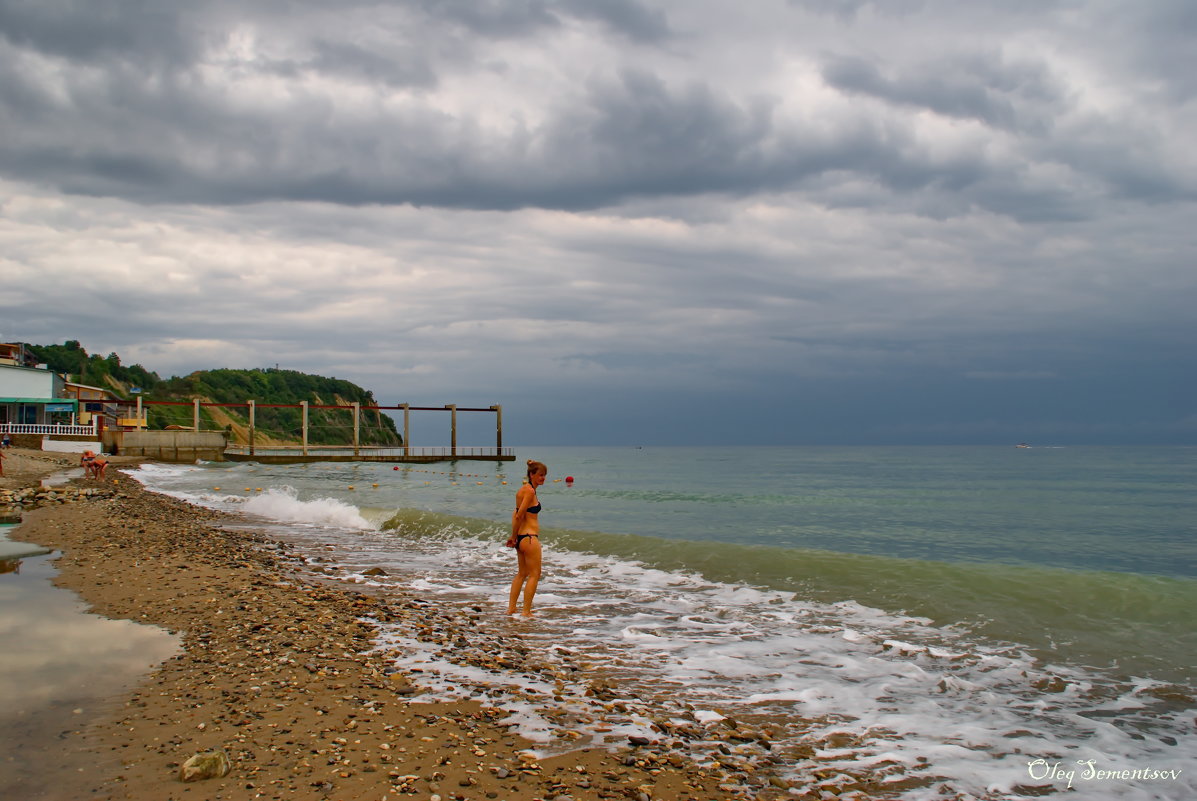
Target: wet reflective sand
x=59, y=668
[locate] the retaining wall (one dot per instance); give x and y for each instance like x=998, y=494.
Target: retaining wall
x=168, y=446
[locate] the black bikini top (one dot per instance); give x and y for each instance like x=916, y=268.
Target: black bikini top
x=534, y=510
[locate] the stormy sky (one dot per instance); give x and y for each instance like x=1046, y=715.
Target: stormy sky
x=627, y=221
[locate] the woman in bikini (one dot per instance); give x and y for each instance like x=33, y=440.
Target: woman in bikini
x=525, y=530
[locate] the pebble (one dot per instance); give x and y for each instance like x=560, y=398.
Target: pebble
x=33, y=497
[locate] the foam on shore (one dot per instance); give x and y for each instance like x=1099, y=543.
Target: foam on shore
x=867, y=689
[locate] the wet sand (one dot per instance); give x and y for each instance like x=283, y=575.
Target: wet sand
x=277, y=671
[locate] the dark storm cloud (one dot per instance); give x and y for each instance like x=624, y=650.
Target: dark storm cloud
x=848, y=9
x=522, y=18
x=625, y=137
x=967, y=86
x=1155, y=39
x=144, y=123
x=156, y=132
x=498, y=18
x=392, y=66
x=141, y=30
x=634, y=20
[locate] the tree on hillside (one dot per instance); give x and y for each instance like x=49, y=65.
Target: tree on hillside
x=73, y=361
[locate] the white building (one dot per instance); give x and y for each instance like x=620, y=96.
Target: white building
x=33, y=399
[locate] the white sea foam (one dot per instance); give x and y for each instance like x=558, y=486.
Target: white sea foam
x=970, y=715
x=155, y=473
x=280, y=504
x=283, y=504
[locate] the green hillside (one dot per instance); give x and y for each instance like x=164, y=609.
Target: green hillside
x=264, y=386
x=72, y=360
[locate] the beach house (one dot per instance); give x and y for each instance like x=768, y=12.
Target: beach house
x=34, y=401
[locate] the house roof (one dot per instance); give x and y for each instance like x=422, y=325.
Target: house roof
x=65, y=401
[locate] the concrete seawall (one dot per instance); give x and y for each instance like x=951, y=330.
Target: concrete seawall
x=168, y=446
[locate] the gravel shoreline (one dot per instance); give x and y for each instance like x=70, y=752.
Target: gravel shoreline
x=278, y=672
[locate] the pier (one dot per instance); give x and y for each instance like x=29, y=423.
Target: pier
x=354, y=451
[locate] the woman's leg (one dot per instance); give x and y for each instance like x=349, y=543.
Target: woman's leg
x=530, y=554
x=518, y=582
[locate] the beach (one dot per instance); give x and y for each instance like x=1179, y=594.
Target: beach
x=338, y=630
x=277, y=669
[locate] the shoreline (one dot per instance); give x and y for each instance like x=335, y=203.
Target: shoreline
x=278, y=671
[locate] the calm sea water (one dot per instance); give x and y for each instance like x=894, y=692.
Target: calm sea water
x=1040, y=600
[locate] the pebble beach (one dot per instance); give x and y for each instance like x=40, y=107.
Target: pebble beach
x=276, y=683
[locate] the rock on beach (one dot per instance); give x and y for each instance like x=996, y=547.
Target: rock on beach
x=211, y=765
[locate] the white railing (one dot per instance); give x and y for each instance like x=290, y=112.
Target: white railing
x=48, y=428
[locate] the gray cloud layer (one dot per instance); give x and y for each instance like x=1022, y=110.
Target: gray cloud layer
x=906, y=221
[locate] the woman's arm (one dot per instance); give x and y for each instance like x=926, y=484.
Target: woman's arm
x=523, y=499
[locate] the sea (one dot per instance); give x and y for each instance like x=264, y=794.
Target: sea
x=967, y=622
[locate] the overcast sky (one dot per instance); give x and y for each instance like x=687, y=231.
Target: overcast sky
x=627, y=221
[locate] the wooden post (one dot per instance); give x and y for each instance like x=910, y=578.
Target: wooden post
x=498, y=429
x=357, y=417
x=406, y=428
x=452, y=407
x=195, y=416
x=139, y=413
x=253, y=408
x=304, y=404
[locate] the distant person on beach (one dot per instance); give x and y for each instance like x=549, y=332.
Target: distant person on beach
x=87, y=462
x=98, y=466
x=6, y=442
x=525, y=531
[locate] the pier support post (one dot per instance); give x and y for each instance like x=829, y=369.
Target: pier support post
x=357, y=421
x=452, y=407
x=304, y=406
x=253, y=408
x=140, y=413
x=406, y=428
x=498, y=429
x=195, y=416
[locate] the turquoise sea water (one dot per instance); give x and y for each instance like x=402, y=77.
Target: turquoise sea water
x=786, y=576
x=1089, y=551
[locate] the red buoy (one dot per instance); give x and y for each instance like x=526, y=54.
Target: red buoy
x=396, y=467
x=569, y=479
